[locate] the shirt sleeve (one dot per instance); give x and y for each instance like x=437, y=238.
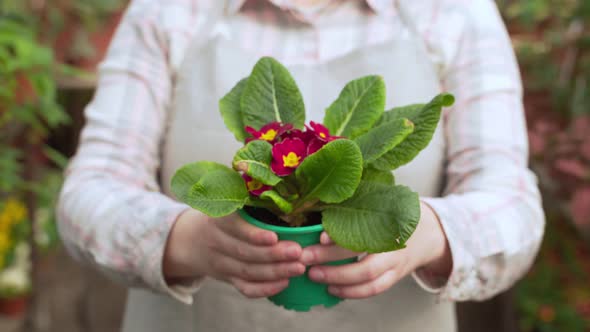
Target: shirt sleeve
x=112, y=214
x=491, y=208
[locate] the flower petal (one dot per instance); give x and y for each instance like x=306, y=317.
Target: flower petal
x=254, y=186
x=252, y=131
x=320, y=131
x=287, y=155
x=279, y=169
x=315, y=145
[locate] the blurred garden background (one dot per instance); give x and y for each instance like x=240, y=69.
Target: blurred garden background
x=48, y=55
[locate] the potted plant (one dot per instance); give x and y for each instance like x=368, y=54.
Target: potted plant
x=298, y=180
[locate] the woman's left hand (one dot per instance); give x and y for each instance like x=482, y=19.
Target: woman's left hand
x=376, y=273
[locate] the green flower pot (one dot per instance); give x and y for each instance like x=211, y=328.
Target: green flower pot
x=302, y=293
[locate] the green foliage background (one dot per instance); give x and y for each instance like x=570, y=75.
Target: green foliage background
x=30, y=111
x=552, y=41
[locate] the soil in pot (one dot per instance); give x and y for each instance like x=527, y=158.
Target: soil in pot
x=314, y=218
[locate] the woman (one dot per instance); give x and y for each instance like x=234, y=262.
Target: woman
x=156, y=109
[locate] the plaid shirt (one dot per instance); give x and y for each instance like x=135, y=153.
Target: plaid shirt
x=113, y=215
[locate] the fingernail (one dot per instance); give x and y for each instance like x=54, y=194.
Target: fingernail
x=293, y=252
x=297, y=269
x=279, y=287
x=307, y=257
x=316, y=274
x=269, y=238
x=334, y=290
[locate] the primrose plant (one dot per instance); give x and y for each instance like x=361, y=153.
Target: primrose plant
x=341, y=168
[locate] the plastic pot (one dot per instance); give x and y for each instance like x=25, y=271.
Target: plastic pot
x=302, y=293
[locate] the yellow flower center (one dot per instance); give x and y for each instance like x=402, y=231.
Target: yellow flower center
x=322, y=135
x=291, y=160
x=253, y=185
x=269, y=135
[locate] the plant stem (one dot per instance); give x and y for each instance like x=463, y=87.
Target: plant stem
x=269, y=205
x=305, y=206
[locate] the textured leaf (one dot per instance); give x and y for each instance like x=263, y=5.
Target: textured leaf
x=425, y=119
x=374, y=175
x=282, y=203
x=209, y=187
x=332, y=173
x=270, y=95
x=231, y=111
x=254, y=159
x=358, y=107
x=379, y=140
x=377, y=218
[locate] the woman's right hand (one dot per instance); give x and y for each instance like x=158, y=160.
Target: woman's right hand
x=229, y=249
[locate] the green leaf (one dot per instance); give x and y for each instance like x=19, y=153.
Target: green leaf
x=374, y=175
x=332, y=173
x=377, y=218
x=230, y=109
x=358, y=107
x=270, y=95
x=282, y=203
x=55, y=156
x=254, y=159
x=383, y=138
x=425, y=119
x=11, y=166
x=209, y=187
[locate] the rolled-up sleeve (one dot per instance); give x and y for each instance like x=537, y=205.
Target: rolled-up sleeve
x=491, y=208
x=111, y=212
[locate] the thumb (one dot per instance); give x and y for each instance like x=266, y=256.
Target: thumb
x=325, y=239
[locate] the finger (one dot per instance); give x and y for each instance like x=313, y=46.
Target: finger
x=259, y=289
x=368, y=269
x=367, y=289
x=325, y=239
x=246, y=252
x=225, y=265
x=241, y=229
x=318, y=254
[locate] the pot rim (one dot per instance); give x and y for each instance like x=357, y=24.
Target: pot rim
x=279, y=229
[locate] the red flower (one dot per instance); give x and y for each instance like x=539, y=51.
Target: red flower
x=305, y=136
x=320, y=136
x=269, y=132
x=287, y=156
x=254, y=186
x=321, y=132
x=315, y=145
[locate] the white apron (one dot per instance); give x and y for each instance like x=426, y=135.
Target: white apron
x=212, y=66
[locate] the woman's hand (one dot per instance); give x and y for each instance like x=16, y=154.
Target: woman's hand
x=231, y=250
x=376, y=273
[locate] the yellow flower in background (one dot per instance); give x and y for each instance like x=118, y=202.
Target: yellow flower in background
x=4, y=219
x=4, y=242
x=4, y=226
x=4, y=246
x=14, y=210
